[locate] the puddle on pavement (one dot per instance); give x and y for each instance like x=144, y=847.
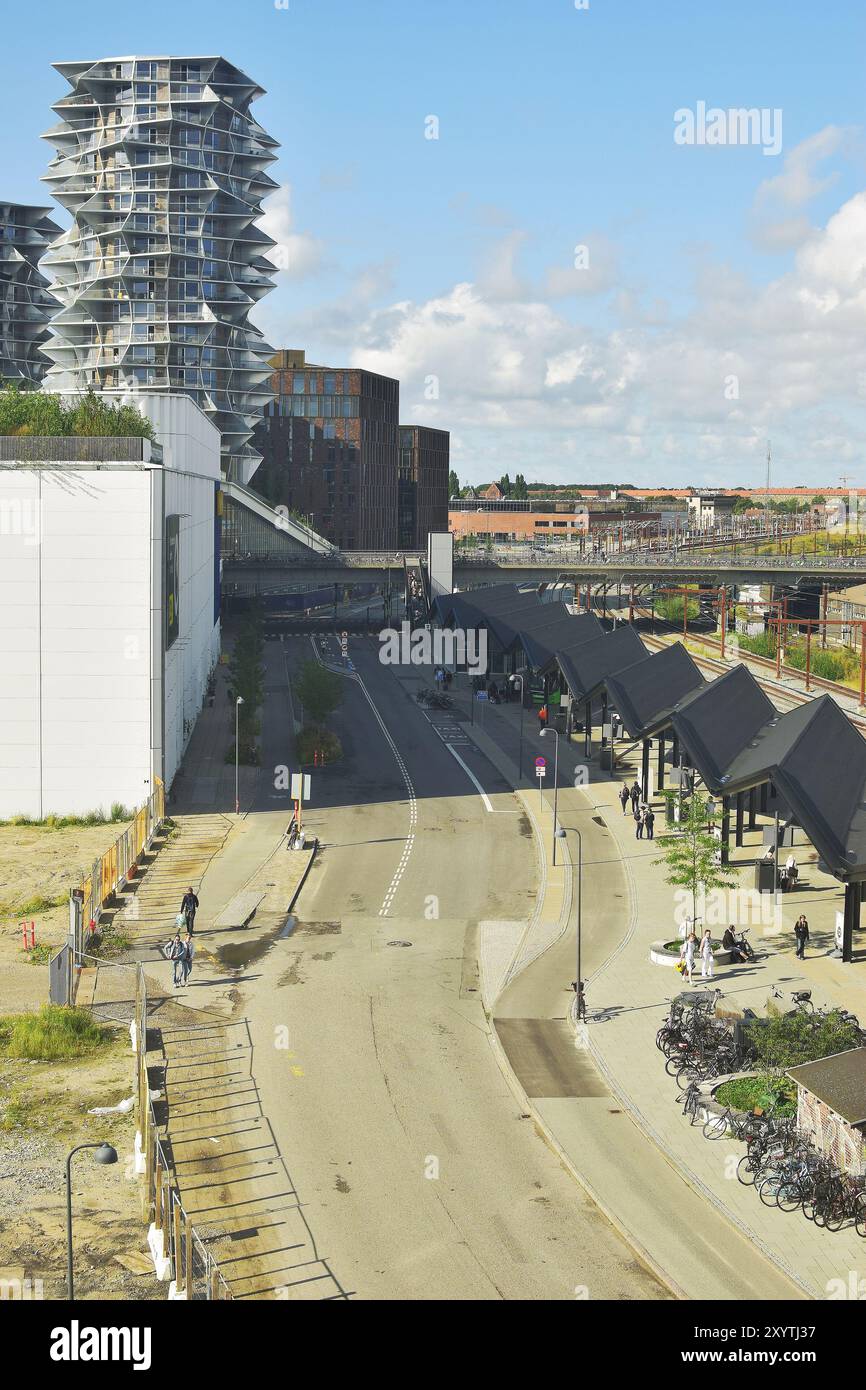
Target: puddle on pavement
x=240, y=955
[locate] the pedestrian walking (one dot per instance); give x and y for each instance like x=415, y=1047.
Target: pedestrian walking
x=707, y=957
x=801, y=932
x=649, y=821
x=542, y=717
x=176, y=953
x=687, y=955
x=187, y=958
x=638, y=823
x=635, y=796
x=623, y=797
x=188, y=906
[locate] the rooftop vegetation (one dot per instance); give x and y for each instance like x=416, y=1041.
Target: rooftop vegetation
x=87, y=416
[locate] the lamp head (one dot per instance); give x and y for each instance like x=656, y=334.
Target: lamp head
x=105, y=1153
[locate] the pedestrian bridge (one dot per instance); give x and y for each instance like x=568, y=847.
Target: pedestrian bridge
x=274, y=572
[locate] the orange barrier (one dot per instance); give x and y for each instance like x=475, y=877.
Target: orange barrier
x=118, y=863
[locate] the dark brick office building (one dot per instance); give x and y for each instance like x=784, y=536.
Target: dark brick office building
x=423, y=484
x=333, y=450
x=330, y=450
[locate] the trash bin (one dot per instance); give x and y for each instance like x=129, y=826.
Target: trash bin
x=764, y=874
x=606, y=759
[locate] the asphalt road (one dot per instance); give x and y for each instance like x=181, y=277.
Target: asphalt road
x=421, y=1176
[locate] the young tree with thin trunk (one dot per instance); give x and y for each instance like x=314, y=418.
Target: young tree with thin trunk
x=689, y=854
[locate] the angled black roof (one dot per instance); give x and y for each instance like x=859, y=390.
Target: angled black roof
x=542, y=640
x=587, y=666
x=718, y=720
x=646, y=692
x=822, y=776
x=466, y=613
x=481, y=600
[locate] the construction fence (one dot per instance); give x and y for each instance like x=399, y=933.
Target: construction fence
x=115, y=867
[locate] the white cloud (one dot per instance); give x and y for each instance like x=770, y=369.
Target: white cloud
x=778, y=222
x=295, y=254
x=530, y=381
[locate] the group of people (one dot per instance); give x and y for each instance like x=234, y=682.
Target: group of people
x=181, y=951
x=691, y=948
x=643, y=814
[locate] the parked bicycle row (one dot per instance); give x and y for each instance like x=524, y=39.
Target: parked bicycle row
x=779, y=1162
x=784, y=1169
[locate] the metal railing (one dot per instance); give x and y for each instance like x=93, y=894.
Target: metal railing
x=195, y=1271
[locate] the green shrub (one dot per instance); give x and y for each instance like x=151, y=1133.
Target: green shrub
x=43, y=413
x=314, y=743
x=670, y=608
x=759, y=1093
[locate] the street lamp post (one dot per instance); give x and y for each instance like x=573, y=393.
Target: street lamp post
x=518, y=680
x=238, y=702
x=104, y=1153
x=581, y=1005
x=556, y=834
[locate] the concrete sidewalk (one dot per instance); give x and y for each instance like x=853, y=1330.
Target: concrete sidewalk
x=677, y=1197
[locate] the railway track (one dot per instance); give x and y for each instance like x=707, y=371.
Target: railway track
x=782, y=695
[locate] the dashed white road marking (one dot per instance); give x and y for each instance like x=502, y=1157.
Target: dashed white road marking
x=352, y=674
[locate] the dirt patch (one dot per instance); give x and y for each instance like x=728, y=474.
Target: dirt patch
x=43, y=1115
x=38, y=866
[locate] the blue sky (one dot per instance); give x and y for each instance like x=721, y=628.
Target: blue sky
x=452, y=259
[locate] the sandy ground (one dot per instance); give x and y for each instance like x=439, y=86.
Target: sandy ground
x=39, y=863
x=43, y=1114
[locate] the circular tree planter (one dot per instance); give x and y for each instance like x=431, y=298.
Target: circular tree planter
x=668, y=953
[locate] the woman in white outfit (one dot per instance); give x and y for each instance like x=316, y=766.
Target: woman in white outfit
x=707, y=957
x=687, y=955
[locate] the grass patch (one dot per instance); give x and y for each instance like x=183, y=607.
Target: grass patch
x=33, y=906
x=54, y=1034
x=53, y=821
x=759, y=1093
x=40, y=955
x=110, y=943
x=19, y=1112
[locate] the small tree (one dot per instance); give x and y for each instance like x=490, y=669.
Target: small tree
x=247, y=676
x=453, y=484
x=690, y=854
x=319, y=690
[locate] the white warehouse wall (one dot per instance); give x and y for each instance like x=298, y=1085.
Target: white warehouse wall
x=74, y=641
x=91, y=705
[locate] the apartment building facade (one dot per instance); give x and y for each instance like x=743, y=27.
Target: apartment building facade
x=330, y=446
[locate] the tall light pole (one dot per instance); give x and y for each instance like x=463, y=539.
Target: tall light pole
x=518, y=680
x=104, y=1154
x=581, y=1005
x=238, y=702
x=556, y=834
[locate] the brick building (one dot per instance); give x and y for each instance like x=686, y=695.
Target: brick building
x=831, y=1107
x=423, y=484
x=330, y=450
